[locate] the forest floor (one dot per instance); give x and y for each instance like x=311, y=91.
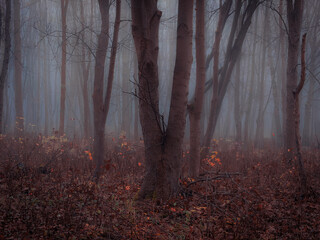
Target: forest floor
x=46, y=192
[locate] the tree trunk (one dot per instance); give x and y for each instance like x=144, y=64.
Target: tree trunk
x=237, y=117
x=101, y=106
x=260, y=118
x=85, y=75
x=5, y=63
x=19, y=129
x=294, y=15
x=197, y=105
x=232, y=54
x=295, y=93
x=282, y=76
x=163, y=147
x=64, y=8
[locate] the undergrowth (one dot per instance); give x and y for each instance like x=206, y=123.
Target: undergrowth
x=46, y=192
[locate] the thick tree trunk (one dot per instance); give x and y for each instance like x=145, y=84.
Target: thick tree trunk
x=196, y=107
x=163, y=147
x=64, y=8
x=101, y=105
x=5, y=63
x=294, y=15
x=19, y=129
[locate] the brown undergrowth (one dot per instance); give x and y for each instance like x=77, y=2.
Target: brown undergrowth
x=47, y=192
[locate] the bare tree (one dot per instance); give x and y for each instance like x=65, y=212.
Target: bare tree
x=235, y=42
x=163, y=146
x=294, y=15
x=101, y=105
x=18, y=69
x=195, y=108
x=64, y=9
x=5, y=63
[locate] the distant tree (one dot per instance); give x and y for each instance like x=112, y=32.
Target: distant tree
x=240, y=25
x=18, y=69
x=163, y=145
x=6, y=56
x=64, y=9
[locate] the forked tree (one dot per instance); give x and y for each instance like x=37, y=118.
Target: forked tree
x=163, y=144
x=101, y=103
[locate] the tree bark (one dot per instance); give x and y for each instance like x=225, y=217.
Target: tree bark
x=295, y=93
x=294, y=15
x=196, y=107
x=163, y=147
x=5, y=63
x=101, y=106
x=19, y=128
x=64, y=8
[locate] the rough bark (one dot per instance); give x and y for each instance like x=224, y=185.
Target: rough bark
x=294, y=15
x=195, y=108
x=163, y=147
x=19, y=128
x=101, y=105
x=5, y=63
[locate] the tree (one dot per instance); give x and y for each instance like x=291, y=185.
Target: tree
x=5, y=63
x=294, y=15
x=18, y=69
x=101, y=105
x=195, y=108
x=163, y=145
x=235, y=42
x=64, y=8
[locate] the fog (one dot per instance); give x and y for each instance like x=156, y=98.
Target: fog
x=41, y=70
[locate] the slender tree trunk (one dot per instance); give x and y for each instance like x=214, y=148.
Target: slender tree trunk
x=224, y=12
x=5, y=63
x=233, y=51
x=294, y=15
x=196, y=107
x=64, y=8
x=248, y=108
x=295, y=93
x=85, y=75
x=276, y=109
x=260, y=118
x=101, y=106
x=237, y=117
x=283, y=77
x=18, y=70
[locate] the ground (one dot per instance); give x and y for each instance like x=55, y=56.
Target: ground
x=46, y=192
